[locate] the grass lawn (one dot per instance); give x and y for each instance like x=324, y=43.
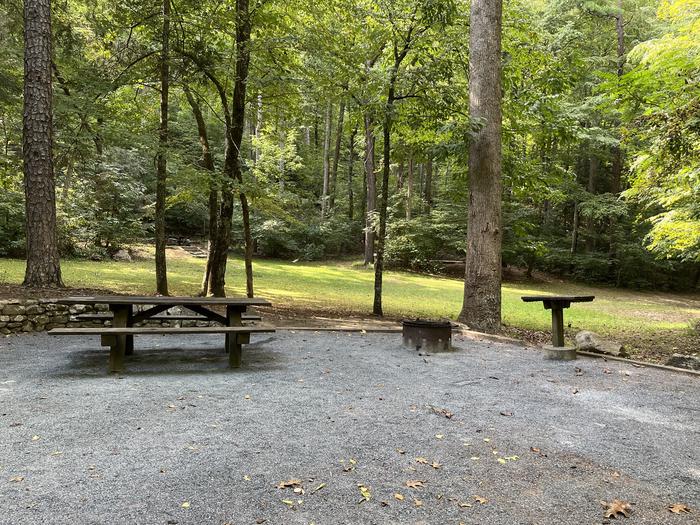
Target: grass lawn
x=650, y=323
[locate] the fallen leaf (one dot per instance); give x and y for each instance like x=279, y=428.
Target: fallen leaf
x=502, y=461
x=289, y=483
x=366, y=494
x=616, y=507
x=487, y=440
x=480, y=499
x=17, y=479
x=417, y=502
x=298, y=490
x=443, y=412
x=616, y=474
x=318, y=488
x=414, y=483
x=398, y=496
x=464, y=505
x=246, y=396
x=439, y=436
x=507, y=414
x=35, y=438
x=288, y=502
x=607, y=371
x=435, y=465
x=185, y=505
x=579, y=372
x=400, y=451
x=422, y=461
x=678, y=508
x=56, y=453
x=475, y=458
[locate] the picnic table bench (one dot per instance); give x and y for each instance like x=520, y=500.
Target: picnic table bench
x=557, y=304
x=125, y=313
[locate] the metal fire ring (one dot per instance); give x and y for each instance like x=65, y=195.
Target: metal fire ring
x=427, y=335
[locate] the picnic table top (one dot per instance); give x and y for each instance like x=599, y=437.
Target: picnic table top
x=164, y=300
x=562, y=298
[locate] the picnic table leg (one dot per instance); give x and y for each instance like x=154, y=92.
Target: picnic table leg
x=129, y=343
x=118, y=349
x=557, y=325
x=233, y=346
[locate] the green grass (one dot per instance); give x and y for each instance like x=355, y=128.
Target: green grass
x=341, y=287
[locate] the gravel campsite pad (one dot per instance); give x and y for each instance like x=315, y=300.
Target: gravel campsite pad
x=338, y=428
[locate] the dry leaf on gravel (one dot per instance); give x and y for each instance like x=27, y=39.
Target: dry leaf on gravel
x=185, y=505
x=422, y=461
x=507, y=414
x=481, y=499
x=417, y=502
x=289, y=483
x=616, y=507
x=443, y=412
x=321, y=486
x=17, y=479
x=415, y=483
x=398, y=496
x=678, y=508
x=436, y=465
x=366, y=495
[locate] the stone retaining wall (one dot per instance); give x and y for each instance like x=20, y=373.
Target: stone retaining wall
x=37, y=315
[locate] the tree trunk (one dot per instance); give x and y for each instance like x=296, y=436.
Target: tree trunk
x=207, y=162
x=232, y=164
x=481, y=309
x=371, y=190
x=428, y=194
x=574, y=230
x=409, y=188
x=162, y=159
x=351, y=166
x=336, y=155
x=593, y=165
x=43, y=264
x=326, y=162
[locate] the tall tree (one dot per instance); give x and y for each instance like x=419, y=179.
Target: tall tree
x=162, y=158
x=43, y=265
x=481, y=309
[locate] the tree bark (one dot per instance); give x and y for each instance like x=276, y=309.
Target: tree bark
x=207, y=162
x=409, y=187
x=43, y=264
x=336, y=155
x=351, y=166
x=232, y=164
x=428, y=193
x=326, y=161
x=371, y=202
x=162, y=159
x=481, y=309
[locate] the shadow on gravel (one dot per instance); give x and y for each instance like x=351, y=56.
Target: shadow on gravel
x=168, y=361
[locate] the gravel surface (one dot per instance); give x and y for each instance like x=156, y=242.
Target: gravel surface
x=180, y=439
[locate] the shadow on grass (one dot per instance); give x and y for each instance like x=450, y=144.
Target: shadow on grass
x=207, y=359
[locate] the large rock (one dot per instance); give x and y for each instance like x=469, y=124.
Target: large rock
x=591, y=342
x=689, y=362
x=122, y=255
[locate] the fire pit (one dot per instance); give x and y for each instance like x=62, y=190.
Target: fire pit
x=426, y=335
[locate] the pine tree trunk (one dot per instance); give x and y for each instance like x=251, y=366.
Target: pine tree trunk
x=326, y=162
x=428, y=193
x=409, y=187
x=336, y=155
x=481, y=309
x=371, y=190
x=207, y=163
x=351, y=166
x=161, y=160
x=43, y=264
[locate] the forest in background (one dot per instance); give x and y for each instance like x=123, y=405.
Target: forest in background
x=601, y=130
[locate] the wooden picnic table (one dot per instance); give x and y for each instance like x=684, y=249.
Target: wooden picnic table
x=557, y=304
x=129, y=310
